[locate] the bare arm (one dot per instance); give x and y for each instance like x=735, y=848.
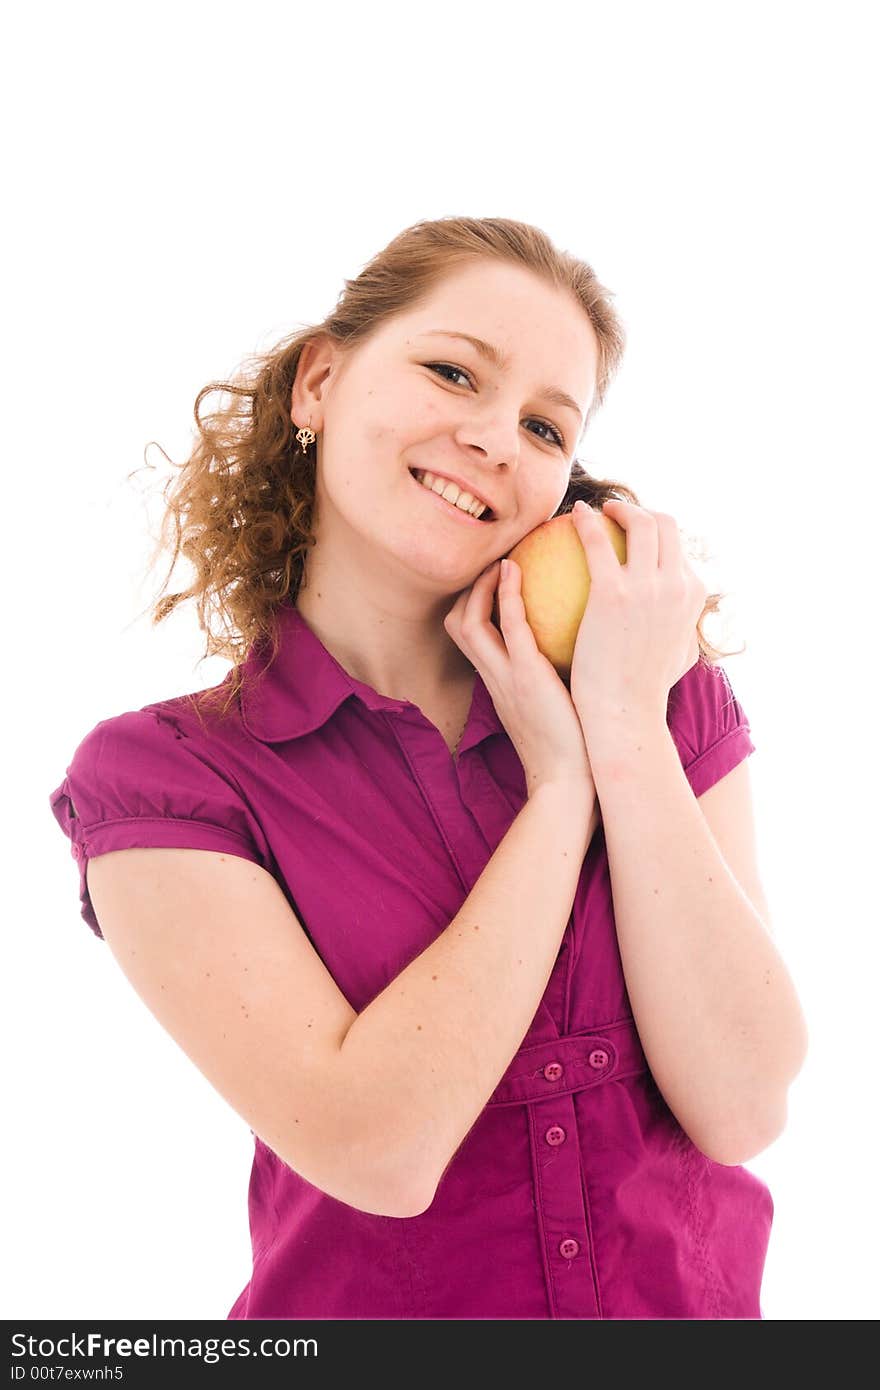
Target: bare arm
x=437, y=1040
x=714, y=1004
x=369, y=1108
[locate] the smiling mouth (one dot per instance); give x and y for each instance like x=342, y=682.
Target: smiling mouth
x=486, y=515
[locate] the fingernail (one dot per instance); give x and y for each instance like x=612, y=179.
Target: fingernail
x=503, y=568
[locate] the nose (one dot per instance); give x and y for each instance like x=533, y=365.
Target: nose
x=494, y=438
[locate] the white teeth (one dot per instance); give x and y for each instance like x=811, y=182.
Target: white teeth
x=451, y=493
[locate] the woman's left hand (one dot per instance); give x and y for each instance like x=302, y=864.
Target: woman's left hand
x=638, y=635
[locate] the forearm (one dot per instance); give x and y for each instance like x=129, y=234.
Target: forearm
x=716, y=1010
x=429, y=1050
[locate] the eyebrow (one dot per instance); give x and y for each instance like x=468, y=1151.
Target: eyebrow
x=499, y=360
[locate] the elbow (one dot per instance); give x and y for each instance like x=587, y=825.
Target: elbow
x=415, y=1205
x=386, y=1194
x=408, y=1195
x=738, y=1137
x=399, y=1201
x=405, y=1174
x=349, y=1172
x=378, y=1200
x=393, y=1193
x=734, y=1145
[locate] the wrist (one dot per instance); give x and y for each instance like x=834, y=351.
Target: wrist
x=605, y=716
x=576, y=796
x=621, y=735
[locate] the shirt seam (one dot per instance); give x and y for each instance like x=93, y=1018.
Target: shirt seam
x=224, y=772
x=94, y=826
x=438, y=822
x=538, y=1189
x=719, y=743
x=591, y=1244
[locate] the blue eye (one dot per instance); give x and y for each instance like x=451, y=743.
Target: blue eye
x=448, y=367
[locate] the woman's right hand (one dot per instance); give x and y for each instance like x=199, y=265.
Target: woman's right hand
x=531, y=700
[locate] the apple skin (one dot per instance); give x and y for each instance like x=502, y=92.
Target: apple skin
x=556, y=583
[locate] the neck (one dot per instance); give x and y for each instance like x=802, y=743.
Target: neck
x=402, y=658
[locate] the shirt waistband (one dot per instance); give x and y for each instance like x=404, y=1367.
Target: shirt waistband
x=573, y=1062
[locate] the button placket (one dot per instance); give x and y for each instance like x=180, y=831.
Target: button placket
x=557, y=1158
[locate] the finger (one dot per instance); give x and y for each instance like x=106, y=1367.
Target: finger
x=468, y=621
x=670, y=553
x=642, y=537
x=480, y=598
x=488, y=641
x=599, y=553
x=518, y=634
x=457, y=610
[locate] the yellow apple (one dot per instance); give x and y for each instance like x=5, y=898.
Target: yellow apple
x=556, y=583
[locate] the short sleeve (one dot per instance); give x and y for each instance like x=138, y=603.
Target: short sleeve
x=137, y=781
x=708, y=725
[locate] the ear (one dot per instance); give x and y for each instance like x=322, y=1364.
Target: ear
x=318, y=360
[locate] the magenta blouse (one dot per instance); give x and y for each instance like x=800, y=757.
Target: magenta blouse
x=576, y=1193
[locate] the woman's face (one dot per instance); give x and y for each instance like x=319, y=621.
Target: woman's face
x=410, y=399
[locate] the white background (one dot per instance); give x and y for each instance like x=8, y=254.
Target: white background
x=190, y=182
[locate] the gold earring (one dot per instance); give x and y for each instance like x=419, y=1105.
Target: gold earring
x=305, y=437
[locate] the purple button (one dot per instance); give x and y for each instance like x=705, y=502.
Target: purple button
x=599, y=1057
x=555, y=1135
x=75, y=851
x=553, y=1071
x=569, y=1248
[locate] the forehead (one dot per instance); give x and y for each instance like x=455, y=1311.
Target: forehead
x=516, y=319
x=496, y=296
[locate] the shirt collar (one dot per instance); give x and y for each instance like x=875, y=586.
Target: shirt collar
x=305, y=685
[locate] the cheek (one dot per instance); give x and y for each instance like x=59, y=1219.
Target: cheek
x=385, y=434
x=376, y=432
x=541, y=501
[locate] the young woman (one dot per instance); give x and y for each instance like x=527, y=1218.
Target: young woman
x=482, y=959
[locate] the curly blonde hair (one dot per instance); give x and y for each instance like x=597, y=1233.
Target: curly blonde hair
x=241, y=506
